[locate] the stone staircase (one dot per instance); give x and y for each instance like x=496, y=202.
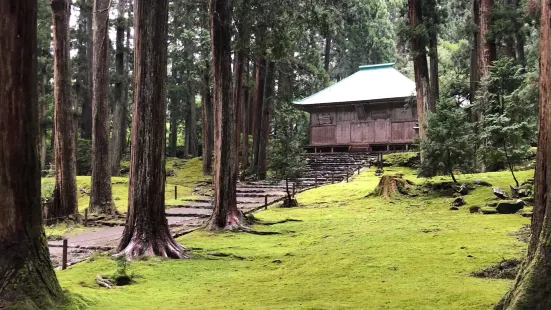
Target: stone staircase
x=325, y=168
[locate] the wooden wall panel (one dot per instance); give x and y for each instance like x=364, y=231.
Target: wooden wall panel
x=343, y=133
x=382, y=131
x=397, y=131
x=323, y=135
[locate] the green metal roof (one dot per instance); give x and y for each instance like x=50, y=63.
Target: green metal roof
x=372, y=82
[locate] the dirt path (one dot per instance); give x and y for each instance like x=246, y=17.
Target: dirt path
x=182, y=218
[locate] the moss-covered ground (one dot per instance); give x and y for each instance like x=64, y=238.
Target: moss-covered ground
x=187, y=175
x=348, y=252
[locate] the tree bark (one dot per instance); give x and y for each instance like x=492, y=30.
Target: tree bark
x=239, y=95
x=532, y=288
x=27, y=278
x=519, y=46
x=225, y=214
x=146, y=232
x=265, y=128
x=65, y=190
x=191, y=126
x=245, y=121
x=86, y=116
x=327, y=55
x=258, y=107
x=43, y=106
x=119, y=110
x=420, y=66
x=101, y=200
x=487, y=47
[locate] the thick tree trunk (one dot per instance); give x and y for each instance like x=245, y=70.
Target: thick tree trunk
x=207, y=120
x=420, y=66
x=532, y=288
x=119, y=110
x=487, y=47
x=258, y=108
x=434, y=74
x=175, y=115
x=265, y=128
x=101, y=200
x=327, y=54
x=65, y=190
x=86, y=116
x=225, y=214
x=146, y=231
x=27, y=278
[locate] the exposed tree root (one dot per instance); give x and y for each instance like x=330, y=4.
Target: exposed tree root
x=259, y=222
x=219, y=254
x=163, y=247
x=235, y=221
x=262, y=233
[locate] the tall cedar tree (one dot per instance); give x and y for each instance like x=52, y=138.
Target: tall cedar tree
x=146, y=231
x=119, y=109
x=269, y=94
x=225, y=214
x=86, y=117
x=486, y=46
x=65, y=191
x=25, y=260
x=532, y=288
x=101, y=199
x=420, y=66
x=206, y=102
x=258, y=107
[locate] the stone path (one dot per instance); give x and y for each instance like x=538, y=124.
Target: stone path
x=182, y=218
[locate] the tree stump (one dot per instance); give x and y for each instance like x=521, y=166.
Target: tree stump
x=391, y=186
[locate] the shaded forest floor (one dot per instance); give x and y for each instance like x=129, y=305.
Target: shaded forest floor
x=348, y=251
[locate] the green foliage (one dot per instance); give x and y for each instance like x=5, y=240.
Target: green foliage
x=508, y=101
x=286, y=160
x=402, y=159
x=84, y=157
x=47, y=189
x=448, y=144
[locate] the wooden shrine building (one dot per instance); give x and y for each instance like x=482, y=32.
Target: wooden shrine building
x=371, y=110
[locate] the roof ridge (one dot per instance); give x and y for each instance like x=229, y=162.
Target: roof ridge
x=377, y=66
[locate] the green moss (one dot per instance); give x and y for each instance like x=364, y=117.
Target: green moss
x=188, y=175
x=402, y=159
x=348, y=252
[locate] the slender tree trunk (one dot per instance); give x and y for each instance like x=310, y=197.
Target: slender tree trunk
x=327, y=58
x=239, y=94
x=146, y=231
x=532, y=288
x=86, y=116
x=245, y=121
x=225, y=214
x=434, y=74
x=65, y=191
x=119, y=110
x=519, y=46
x=101, y=200
x=191, y=125
x=258, y=107
x=43, y=106
x=265, y=128
x=207, y=120
x=174, y=108
x=474, y=76
x=27, y=278
x=420, y=66
x=124, y=127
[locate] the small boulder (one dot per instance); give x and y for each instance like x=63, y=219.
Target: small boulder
x=461, y=189
x=509, y=207
x=474, y=209
x=454, y=208
x=482, y=183
x=458, y=202
x=500, y=193
x=521, y=202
